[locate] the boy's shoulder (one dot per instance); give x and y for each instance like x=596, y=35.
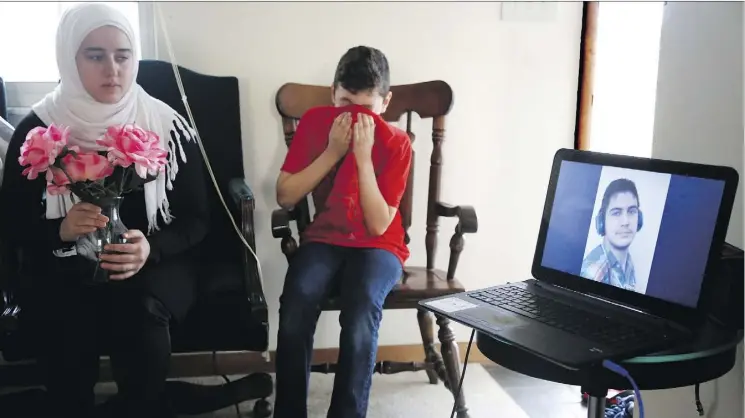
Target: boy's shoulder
x=318, y=117
x=399, y=139
x=315, y=124
x=398, y=132
x=319, y=111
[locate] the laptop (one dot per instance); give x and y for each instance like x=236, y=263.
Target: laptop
x=620, y=268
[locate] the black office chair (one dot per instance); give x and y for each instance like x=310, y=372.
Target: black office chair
x=231, y=312
x=3, y=100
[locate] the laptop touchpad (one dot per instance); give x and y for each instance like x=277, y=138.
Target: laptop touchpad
x=495, y=318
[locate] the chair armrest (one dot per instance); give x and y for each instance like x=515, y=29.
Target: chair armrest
x=467, y=224
x=240, y=191
x=8, y=276
x=281, y=219
x=9, y=308
x=467, y=220
x=244, y=200
x=9, y=317
x=9, y=312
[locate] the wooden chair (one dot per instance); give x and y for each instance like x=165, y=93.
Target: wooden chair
x=429, y=100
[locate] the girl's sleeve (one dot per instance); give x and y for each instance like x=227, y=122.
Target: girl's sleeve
x=22, y=213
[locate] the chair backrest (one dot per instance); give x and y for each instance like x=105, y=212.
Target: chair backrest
x=3, y=101
x=6, y=132
x=215, y=105
x=432, y=99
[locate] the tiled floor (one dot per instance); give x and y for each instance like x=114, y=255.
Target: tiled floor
x=491, y=392
x=409, y=395
x=539, y=398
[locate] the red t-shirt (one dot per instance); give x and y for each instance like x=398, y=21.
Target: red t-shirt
x=339, y=219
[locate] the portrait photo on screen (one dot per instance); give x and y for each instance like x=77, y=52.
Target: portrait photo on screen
x=622, y=235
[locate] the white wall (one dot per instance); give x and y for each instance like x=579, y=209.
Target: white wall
x=515, y=88
x=699, y=118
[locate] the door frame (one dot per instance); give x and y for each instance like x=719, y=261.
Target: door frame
x=587, y=57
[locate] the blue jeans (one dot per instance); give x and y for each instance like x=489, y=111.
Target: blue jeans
x=367, y=276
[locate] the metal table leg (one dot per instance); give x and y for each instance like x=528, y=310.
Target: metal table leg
x=596, y=407
x=595, y=401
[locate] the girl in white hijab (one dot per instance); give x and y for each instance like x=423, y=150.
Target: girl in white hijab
x=153, y=275
x=73, y=104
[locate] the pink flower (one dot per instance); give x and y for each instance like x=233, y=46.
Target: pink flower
x=41, y=148
x=57, y=182
x=87, y=166
x=129, y=144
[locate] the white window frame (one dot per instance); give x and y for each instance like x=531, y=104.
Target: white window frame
x=22, y=95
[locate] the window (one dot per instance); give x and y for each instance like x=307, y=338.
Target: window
x=32, y=57
x=622, y=49
x=28, y=62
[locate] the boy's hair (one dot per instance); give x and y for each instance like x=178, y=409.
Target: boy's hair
x=615, y=187
x=363, y=68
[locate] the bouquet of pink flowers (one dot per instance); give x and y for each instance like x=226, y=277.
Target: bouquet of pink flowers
x=132, y=157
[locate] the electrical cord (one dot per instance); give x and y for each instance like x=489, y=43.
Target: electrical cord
x=181, y=89
x=623, y=372
x=699, y=405
x=462, y=374
x=193, y=123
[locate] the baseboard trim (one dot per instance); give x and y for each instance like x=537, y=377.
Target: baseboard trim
x=233, y=363
x=400, y=353
x=236, y=363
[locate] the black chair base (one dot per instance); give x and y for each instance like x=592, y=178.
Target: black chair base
x=185, y=398
x=262, y=409
x=24, y=403
x=194, y=399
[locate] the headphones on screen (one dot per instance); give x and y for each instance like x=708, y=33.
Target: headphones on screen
x=615, y=187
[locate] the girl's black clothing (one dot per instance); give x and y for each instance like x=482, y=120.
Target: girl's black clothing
x=68, y=317
x=188, y=200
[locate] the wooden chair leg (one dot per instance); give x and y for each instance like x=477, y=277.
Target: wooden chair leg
x=452, y=364
x=431, y=356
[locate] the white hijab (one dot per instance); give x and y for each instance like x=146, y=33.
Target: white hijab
x=71, y=105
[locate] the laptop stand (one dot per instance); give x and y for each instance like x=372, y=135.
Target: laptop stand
x=714, y=355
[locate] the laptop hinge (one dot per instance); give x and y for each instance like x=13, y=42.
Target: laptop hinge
x=550, y=286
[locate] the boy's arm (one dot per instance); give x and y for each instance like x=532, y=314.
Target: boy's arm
x=293, y=187
x=302, y=171
x=381, y=196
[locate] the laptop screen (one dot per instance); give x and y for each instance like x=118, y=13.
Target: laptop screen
x=641, y=231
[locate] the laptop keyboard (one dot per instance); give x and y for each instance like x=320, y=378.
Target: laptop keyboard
x=593, y=327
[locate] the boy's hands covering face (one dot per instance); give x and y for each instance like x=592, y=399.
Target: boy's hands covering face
x=340, y=135
x=364, y=137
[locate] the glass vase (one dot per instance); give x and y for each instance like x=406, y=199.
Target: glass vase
x=93, y=244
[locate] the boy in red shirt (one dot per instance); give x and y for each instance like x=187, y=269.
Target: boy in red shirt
x=356, y=166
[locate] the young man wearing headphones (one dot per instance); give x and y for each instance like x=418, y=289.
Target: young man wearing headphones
x=617, y=221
